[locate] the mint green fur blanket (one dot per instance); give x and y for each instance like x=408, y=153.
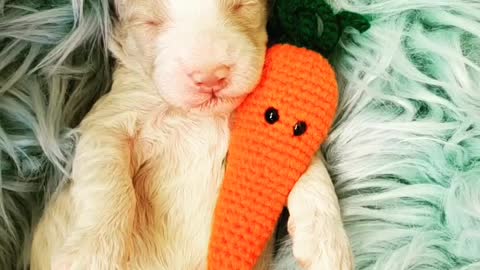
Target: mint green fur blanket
x=404, y=152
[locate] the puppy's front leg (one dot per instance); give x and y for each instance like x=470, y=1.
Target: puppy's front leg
x=315, y=224
x=104, y=201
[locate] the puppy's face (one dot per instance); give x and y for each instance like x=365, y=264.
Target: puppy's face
x=203, y=55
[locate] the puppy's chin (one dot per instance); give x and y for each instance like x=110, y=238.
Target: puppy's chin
x=216, y=105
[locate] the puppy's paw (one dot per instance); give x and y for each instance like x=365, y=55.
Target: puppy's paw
x=319, y=240
x=324, y=245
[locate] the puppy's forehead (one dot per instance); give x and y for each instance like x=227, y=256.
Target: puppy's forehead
x=193, y=8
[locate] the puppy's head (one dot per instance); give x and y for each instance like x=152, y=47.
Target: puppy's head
x=202, y=55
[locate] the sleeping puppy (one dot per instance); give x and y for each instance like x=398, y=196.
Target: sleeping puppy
x=150, y=158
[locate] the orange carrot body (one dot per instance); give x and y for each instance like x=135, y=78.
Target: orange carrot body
x=276, y=132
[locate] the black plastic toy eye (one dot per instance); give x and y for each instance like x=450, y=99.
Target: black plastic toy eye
x=300, y=128
x=271, y=115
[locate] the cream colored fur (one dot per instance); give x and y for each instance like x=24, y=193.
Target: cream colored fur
x=150, y=158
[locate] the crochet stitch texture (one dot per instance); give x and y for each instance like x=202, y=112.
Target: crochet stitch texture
x=266, y=158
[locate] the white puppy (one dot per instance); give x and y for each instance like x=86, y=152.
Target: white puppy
x=150, y=158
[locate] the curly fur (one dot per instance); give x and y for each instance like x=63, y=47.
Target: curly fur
x=405, y=149
x=54, y=65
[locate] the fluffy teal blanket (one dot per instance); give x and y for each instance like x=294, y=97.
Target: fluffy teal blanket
x=404, y=152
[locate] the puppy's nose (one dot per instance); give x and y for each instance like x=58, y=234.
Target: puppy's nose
x=214, y=79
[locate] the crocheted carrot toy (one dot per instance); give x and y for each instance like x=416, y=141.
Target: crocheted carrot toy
x=275, y=134
x=278, y=129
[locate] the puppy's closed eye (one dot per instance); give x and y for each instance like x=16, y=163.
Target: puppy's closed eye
x=151, y=14
x=147, y=23
x=154, y=23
